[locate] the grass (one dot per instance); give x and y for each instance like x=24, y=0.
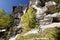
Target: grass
x=28, y=20
x=49, y=34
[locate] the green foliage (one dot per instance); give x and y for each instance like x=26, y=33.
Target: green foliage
x=4, y=20
x=57, y=1
x=28, y=19
x=2, y=12
x=58, y=7
x=49, y=34
x=53, y=9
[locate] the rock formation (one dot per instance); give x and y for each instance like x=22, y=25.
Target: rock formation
x=41, y=16
x=18, y=11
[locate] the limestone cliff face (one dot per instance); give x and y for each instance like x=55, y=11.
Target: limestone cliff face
x=42, y=6
x=17, y=12
x=42, y=17
x=38, y=2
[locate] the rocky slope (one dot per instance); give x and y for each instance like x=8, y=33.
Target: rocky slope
x=45, y=19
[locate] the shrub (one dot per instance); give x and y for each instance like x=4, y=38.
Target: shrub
x=28, y=20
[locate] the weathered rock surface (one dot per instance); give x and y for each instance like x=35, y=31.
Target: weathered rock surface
x=45, y=21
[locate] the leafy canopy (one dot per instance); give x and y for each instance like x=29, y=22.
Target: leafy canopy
x=4, y=19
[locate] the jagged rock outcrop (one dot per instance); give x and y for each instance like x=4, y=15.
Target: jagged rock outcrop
x=17, y=12
x=41, y=16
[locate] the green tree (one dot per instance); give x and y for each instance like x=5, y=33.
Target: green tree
x=2, y=12
x=5, y=19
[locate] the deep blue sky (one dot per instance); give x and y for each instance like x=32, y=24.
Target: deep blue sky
x=7, y=4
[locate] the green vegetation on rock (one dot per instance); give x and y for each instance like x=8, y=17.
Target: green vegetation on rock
x=49, y=34
x=4, y=19
x=54, y=9
x=57, y=1
x=28, y=20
